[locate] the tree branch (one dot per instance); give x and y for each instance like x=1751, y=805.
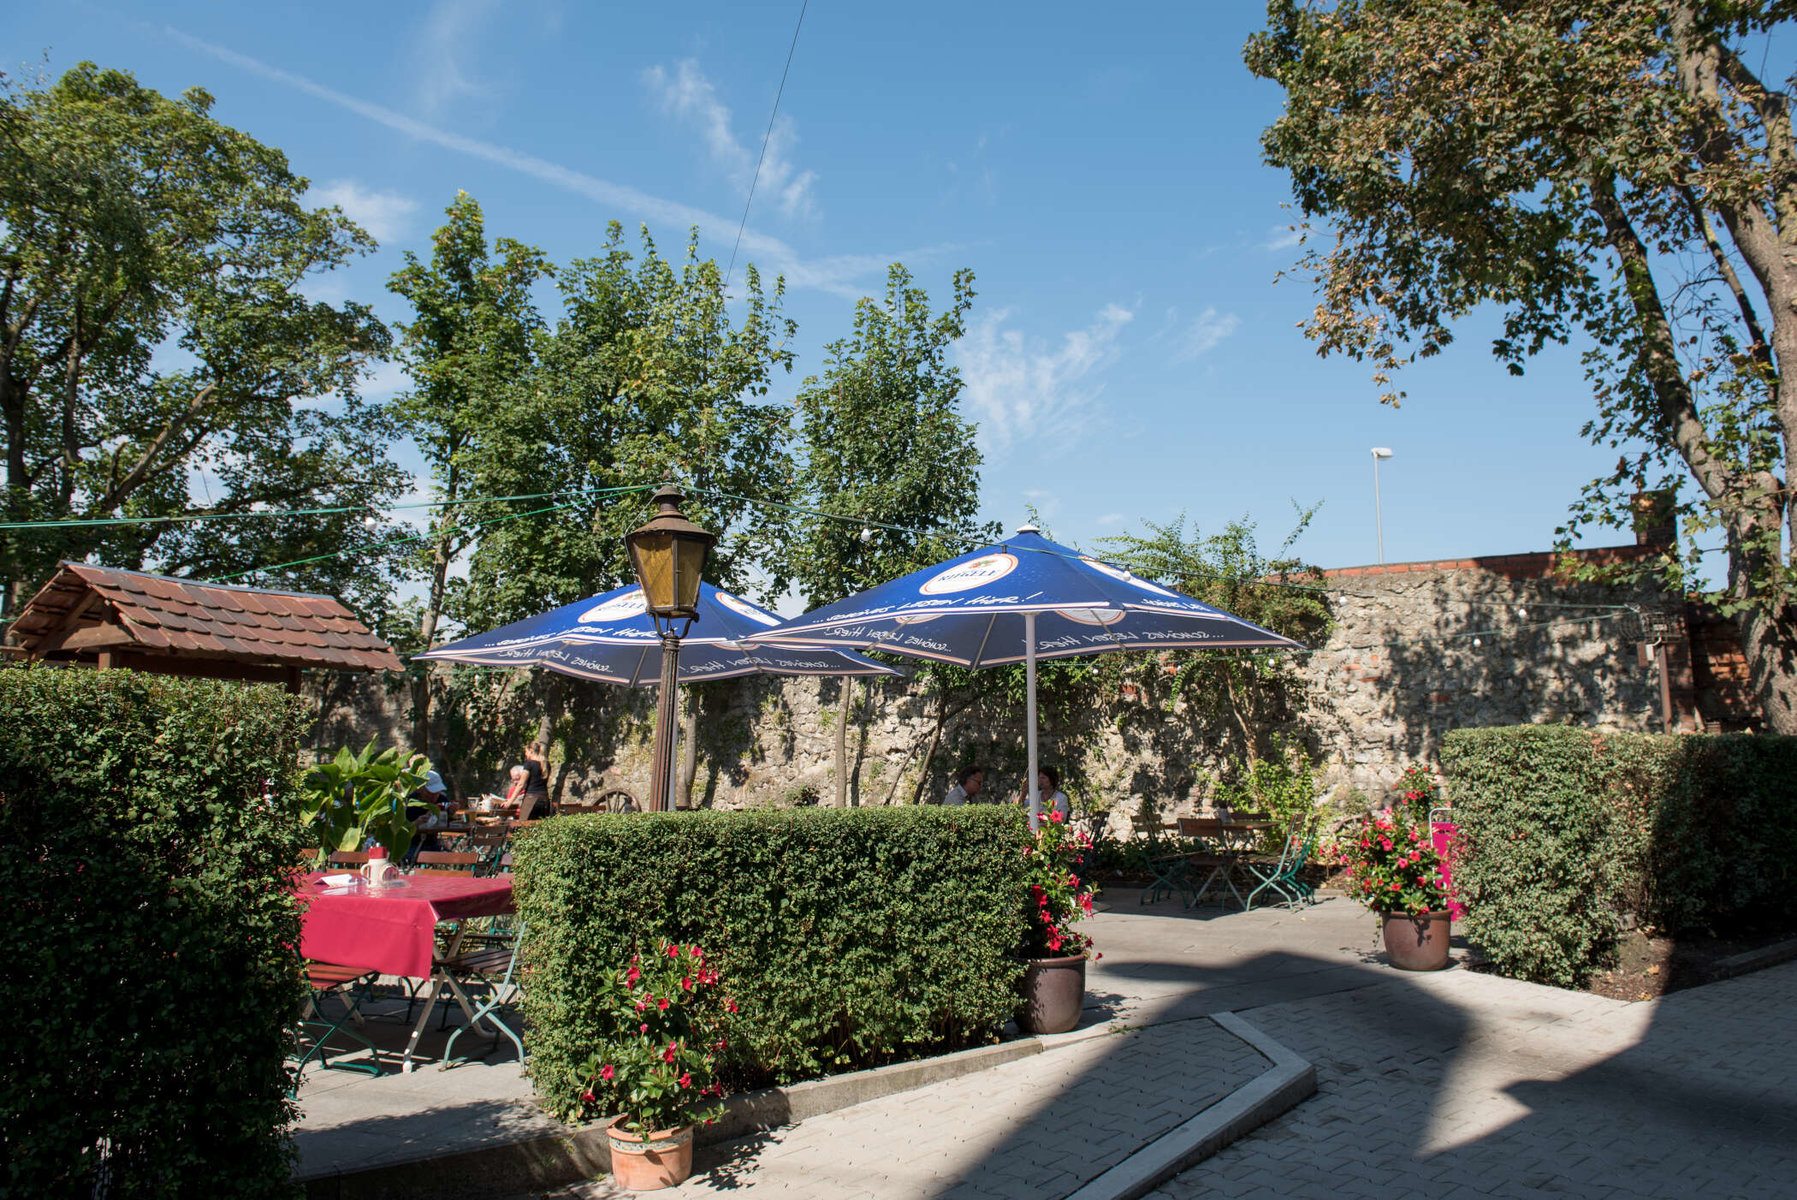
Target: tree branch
x=122, y=488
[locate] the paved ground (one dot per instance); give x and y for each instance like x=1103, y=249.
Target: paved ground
x=1447, y=1085
x=1461, y=1085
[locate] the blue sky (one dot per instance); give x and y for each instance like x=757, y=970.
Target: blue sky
x=1129, y=355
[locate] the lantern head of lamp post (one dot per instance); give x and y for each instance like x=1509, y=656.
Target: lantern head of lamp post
x=669, y=554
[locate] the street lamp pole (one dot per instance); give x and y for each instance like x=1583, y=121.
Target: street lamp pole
x=669, y=554
x=1379, y=452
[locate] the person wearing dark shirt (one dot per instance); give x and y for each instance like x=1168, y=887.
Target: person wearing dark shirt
x=535, y=804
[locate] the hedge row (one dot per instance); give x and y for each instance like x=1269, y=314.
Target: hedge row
x=1565, y=832
x=848, y=938
x=145, y=969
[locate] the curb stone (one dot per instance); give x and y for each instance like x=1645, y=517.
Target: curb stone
x=1289, y=1081
x=1754, y=960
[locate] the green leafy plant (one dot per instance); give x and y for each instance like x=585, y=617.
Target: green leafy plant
x=1060, y=889
x=1416, y=792
x=149, y=834
x=665, y=1026
x=1564, y=833
x=1391, y=866
x=1282, y=785
x=851, y=937
x=357, y=797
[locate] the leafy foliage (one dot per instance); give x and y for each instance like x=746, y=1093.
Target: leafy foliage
x=654, y=1062
x=850, y=937
x=1060, y=889
x=1227, y=569
x=883, y=440
x=357, y=797
x=1391, y=864
x=148, y=825
x=1282, y=784
x=1563, y=832
x=1613, y=173
x=152, y=271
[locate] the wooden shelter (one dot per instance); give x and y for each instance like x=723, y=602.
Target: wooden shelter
x=108, y=618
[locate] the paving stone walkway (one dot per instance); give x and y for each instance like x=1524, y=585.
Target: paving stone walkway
x=1040, y=1126
x=1465, y=1085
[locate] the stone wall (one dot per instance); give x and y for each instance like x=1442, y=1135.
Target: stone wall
x=1418, y=649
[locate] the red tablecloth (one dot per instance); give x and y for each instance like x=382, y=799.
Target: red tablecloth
x=391, y=929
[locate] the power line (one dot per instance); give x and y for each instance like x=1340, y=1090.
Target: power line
x=91, y=522
x=765, y=138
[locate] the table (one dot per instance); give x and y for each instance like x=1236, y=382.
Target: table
x=393, y=929
x=1234, y=840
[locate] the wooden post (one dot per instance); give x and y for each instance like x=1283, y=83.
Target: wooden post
x=842, y=741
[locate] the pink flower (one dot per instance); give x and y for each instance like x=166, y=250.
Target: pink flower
x=642, y=1029
x=588, y=1096
x=605, y=1073
x=729, y=1006
x=631, y=976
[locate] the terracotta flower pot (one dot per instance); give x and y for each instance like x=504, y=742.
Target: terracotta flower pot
x=665, y=1160
x=1054, y=993
x=1415, y=943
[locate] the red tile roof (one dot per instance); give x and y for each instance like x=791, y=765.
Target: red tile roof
x=164, y=615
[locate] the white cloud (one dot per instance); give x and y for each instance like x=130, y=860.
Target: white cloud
x=449, y=38
x=384, y=381
x=1204, y=334
x=1021, y=389
x=835, y=274
x=1283, y=237
x=690, y=97
x=382, y=214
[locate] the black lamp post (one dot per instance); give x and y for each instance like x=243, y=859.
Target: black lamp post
x=669, y=556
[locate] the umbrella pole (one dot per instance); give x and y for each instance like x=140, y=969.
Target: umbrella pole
x=1029, y=708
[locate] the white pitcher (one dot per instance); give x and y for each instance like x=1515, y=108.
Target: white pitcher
x=379, y=868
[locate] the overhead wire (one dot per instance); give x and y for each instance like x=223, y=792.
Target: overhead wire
x=765, y=139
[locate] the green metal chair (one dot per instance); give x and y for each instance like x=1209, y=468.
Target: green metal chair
x=352, y=985
x=497, y=968
x=1171, y=875
x=1283, y=874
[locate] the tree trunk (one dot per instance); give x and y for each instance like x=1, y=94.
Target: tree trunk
x=842, y=741
x=689, y=749
x=923, y=776
x=1770, y=647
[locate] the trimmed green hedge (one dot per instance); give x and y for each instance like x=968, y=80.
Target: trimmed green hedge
x=145, y=971
x=1565, y=831
x=848, y=938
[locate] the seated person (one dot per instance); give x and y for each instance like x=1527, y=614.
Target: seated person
x=968, y=781
x=424, y=806
x=1048, y=784
x=514, y=792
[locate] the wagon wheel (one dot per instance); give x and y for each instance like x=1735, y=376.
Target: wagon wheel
x=616, y=800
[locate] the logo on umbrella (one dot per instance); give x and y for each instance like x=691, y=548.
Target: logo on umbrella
x=970, y=574
x=618, y=608
x=743, y=608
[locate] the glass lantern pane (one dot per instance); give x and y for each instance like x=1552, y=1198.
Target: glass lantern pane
x=691, y=554
x=654, y=554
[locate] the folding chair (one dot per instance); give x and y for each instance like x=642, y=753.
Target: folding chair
x=496, y=967
x=348, y=858
x=352, y=985
x=1282, y=874
x=1171, y=874
x=447, y=862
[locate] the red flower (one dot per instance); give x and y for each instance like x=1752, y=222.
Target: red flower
x=686, y=1079
x=588, y=1096
x=605, y=1073
x=686, y=983
x=642, y=1029
x=668, y=1054
x=662, y=1003
x=673, y=951
x=729, y=1006
x=631, y=976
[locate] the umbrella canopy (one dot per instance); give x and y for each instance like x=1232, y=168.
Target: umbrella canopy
x=1020, y=601
x=610, y=637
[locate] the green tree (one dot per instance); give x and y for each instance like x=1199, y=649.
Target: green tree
x=470, y=352
x=156, y=345
x=883, y=440
x=1227, y=570
x=1615, y=173
x=646, y=376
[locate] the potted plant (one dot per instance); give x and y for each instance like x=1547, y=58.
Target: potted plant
x=654, y=1065
x=1393, y=869
x=1060, y=893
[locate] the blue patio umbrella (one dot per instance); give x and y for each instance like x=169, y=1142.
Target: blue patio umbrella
x=1023, y=600
x=610, y=637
